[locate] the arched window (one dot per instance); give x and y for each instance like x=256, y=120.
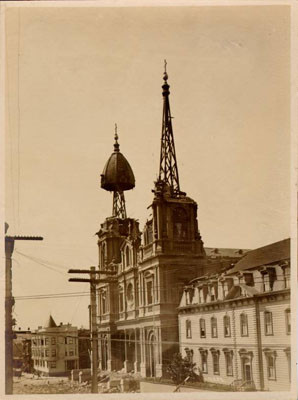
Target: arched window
x=127, y=256
x=180, y=223
x=227, y=326
x=188, y=328
x=121, y=299
x=243, y=325
x=130, y=295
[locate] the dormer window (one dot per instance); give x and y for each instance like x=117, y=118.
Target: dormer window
x=249, y=279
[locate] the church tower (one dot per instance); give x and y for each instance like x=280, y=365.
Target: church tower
x=171, y=254
x=118, y=243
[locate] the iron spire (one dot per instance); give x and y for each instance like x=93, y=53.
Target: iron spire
x=168, y=169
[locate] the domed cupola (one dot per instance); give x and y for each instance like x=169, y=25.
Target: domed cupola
x=117, y=176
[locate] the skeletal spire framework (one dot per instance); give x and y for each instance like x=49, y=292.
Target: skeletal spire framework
x=168, y=169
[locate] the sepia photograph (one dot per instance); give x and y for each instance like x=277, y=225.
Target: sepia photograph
x=148, y=175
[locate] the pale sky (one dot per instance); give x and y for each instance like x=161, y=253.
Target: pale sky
x=74, y=72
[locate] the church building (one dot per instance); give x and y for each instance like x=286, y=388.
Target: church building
x=143, y=275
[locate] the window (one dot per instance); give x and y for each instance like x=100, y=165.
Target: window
x=121, y=300
x=149, y=292
x=127, y=256
x=53, y=364
x=47, y=354
x=71, y=353
x=229, y=363
x=204, y=364
x=200, y=290
x=213, y=327
x=188, y=329
x=103, y=256
x=288, y=321
x=189, y=354
x=47, y=341
x=227, y=326
x=215, y=358
x=70, y=340
x=268, y=323
x=271, y=366
x=103, y=303
x=202, y=328
x=243, y=325
x=249, y=279
x=53, y=340
x=53, y=353
x=66, y=352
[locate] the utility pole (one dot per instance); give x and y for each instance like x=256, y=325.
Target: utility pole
x=9, y=303
x=93, y=280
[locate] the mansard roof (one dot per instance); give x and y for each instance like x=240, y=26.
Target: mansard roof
x=266, y=255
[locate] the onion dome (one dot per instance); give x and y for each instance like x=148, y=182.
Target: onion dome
x=117, y=174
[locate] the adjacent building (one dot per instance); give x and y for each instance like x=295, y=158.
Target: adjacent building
x=22, y=357
x=236, y=325
x=55, y=349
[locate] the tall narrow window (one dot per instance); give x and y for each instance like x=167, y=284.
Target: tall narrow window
x=213, y=327
x=127, y=256
x=204, y=364
x=202, y=328
x=229, y=363
x=243, y=325
x=227, y=326
x=188, y=328
x=149, y=292
x=288, y=321
x=268, y=323
x=121, y=300
x=103, y=303
x=215, y=358
x=271, y=366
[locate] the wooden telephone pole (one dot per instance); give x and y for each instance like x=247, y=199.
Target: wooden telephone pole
x=9, y=302
x=93, y=280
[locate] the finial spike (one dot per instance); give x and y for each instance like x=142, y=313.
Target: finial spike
x=116, y=144
x=165, y=74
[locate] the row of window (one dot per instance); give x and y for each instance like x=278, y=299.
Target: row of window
x=210, y=291
x=42, y=353
x=268, y=325
x=246, y=363
x=50, y=340
x=47, y=364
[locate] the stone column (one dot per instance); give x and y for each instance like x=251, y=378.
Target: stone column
x=136, y=362
x=143, y=352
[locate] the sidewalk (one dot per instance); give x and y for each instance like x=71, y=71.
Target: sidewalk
x=148, y=387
